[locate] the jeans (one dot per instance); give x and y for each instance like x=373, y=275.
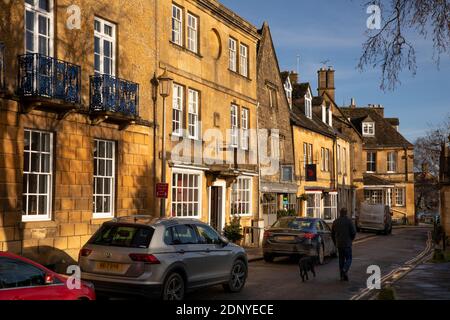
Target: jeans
x=345, y=259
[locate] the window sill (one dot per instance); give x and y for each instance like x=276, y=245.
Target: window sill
x=186, y=50
x=35, y=224
x=239, y=75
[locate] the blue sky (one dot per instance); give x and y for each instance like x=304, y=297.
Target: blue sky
x=335, y=30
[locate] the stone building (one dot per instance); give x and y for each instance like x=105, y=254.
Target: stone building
x=349, y=140
x=210, y=52
x=444, y=180
x=76, y=122
x=387, y=162
x=324, y=144
x=278, y=188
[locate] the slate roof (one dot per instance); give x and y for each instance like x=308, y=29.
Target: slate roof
x=385, y=134
x=284, y=76
x=372, y=180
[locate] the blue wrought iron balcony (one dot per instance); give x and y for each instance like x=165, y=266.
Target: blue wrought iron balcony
x=114, y=97
x=45, y=77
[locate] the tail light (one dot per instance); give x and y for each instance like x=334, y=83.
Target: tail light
x=85, y=252
x=309, y=236
x=267, y=234
x=147, y=258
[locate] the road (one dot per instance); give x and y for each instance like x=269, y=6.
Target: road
x=280, y=280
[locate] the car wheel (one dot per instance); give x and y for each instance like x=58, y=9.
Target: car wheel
x=174, y=288
x=268, y=257
x=238, y=277
x=321, y=254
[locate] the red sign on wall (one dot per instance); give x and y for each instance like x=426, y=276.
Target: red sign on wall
x=162, y=190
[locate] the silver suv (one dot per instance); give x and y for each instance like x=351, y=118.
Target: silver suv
x=143, y=256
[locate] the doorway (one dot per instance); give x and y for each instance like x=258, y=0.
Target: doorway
x=217, y=206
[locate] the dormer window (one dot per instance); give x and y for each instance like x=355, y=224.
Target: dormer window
x=369, y=129
x=308, y=105
x=288, y=90
x=327, y=115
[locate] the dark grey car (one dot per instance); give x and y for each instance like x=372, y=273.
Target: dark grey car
x=298, y=236
x=164, y=257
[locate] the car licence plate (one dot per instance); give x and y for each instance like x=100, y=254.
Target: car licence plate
x=110, y=267
x=285, y=238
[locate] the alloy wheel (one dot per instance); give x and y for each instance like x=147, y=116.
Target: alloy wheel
x=174, y=289
x=238, y=276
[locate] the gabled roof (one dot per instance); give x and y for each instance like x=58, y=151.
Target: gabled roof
x=385, y=134
x=300, y=89
x=315, y=124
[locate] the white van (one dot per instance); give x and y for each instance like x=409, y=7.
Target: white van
x=374, y=217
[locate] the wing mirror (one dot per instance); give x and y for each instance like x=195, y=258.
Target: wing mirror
x=49, y=279
x=225, y=241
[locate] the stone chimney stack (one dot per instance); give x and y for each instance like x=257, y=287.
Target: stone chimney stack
x=326, y=82
x=293, y=76
x=353, y=103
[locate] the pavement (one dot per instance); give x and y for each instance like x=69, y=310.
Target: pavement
x=428, y=281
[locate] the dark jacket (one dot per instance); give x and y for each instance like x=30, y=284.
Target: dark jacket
x=343, y=232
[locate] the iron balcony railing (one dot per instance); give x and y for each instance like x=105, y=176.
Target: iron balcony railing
x=47, y=77
x=2, y=66
x=111, y=94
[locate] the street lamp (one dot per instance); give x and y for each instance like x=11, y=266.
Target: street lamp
x=165, y=86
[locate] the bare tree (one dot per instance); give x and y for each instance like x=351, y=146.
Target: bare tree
x=389, y=48
x=428, y=148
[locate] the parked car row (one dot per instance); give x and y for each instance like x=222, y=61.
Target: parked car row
x=136, y=256
x=165, y=258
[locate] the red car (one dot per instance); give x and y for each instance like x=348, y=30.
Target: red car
x=23, y=279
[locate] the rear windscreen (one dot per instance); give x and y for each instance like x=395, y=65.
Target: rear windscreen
x=123, y=236
x=293, y=223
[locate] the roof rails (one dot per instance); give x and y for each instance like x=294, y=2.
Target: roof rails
x=136, y=218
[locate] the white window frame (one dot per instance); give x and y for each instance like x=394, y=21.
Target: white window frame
x=232, y=49
x=305, y=156
x=103, y=36
x=234, y=126
x=192, y=33
x=238, y=189
x=371, y=161
x=368, y=129
x=344, y=160
x=317, y=208
x=308, y=105
x=400, y=197
x=49, y=190
x=177, y=20
x=392, y=161
x=327, y=160
x=339, y=164
x=186, y=190
x=193, y=114
x=112, y=179
x=245, y=126
x=374, y=196
x=177, y=109
x=49, y=16
x=243, y=60
x=332, y=207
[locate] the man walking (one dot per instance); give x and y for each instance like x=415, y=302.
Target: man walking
x=343, y=233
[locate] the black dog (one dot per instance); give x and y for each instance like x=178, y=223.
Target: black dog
x=306, y=264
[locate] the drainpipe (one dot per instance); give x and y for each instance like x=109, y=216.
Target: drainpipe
x=406, y=164
x=259, y=160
